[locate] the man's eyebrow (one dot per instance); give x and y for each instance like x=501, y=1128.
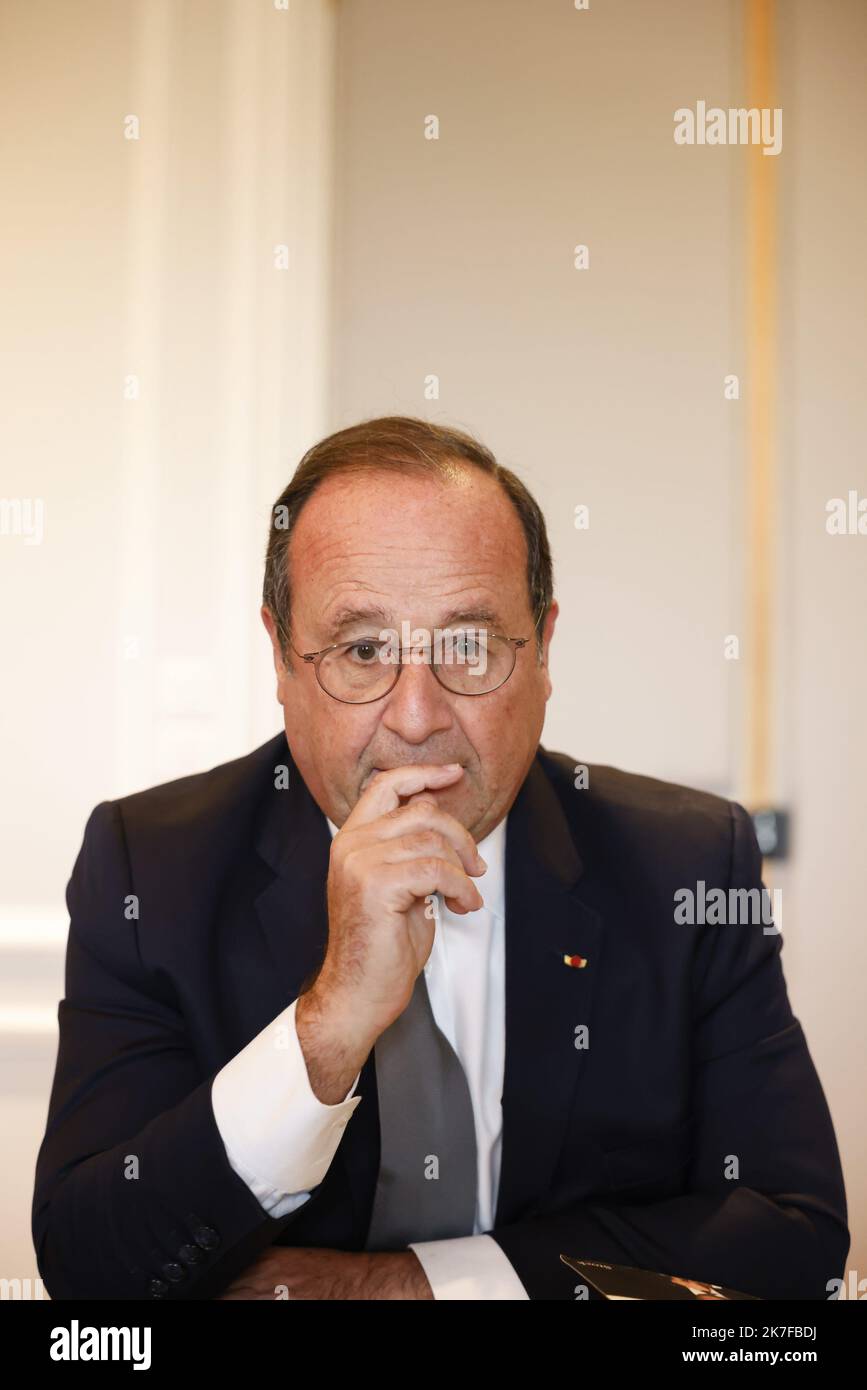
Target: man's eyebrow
x=478, y=615
x=355, y=617
x=374, y=615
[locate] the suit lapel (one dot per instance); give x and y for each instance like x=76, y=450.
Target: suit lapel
x=546, y=999
x=295, y=843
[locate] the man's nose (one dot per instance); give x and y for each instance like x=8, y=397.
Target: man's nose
x=417, y=706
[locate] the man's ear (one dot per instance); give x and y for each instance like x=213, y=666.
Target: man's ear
x=547, y=634
x=279, y=664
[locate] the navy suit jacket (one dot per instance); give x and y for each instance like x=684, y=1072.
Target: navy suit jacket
x=198, y=913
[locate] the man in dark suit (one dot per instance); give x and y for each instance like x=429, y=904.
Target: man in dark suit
x=302, y=1055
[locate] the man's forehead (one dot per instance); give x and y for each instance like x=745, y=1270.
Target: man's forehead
x=396, y=499
x=381, y=514
x=354, y=568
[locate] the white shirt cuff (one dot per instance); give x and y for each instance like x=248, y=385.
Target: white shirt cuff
x=469, y=1267
x=279, y=1136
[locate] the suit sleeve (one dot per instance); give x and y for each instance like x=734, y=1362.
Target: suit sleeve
x=134, y=1194
x=779, y=1228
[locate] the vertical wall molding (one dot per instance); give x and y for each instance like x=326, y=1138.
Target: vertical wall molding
x=761, y=486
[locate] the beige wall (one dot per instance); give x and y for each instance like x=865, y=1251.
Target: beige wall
x=135, y=645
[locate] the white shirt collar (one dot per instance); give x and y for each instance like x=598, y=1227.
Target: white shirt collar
x=492, y=885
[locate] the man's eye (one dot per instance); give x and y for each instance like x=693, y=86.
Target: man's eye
x=369, y=652
x=468, y=648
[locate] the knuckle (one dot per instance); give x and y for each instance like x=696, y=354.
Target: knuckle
x=424, y=840
x=349, y=860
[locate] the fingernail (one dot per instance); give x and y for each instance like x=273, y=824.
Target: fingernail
x=482, y=862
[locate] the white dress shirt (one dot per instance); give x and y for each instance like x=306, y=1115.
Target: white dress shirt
x=280, y=1138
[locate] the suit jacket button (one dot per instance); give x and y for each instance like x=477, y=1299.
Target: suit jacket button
x=157, y=1288
x=190, y=1254
x=174, y=1272
x=206, y=1237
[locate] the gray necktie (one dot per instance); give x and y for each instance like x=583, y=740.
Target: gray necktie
x=425, y=1113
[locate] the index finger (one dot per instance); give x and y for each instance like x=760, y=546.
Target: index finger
x=383, y=794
